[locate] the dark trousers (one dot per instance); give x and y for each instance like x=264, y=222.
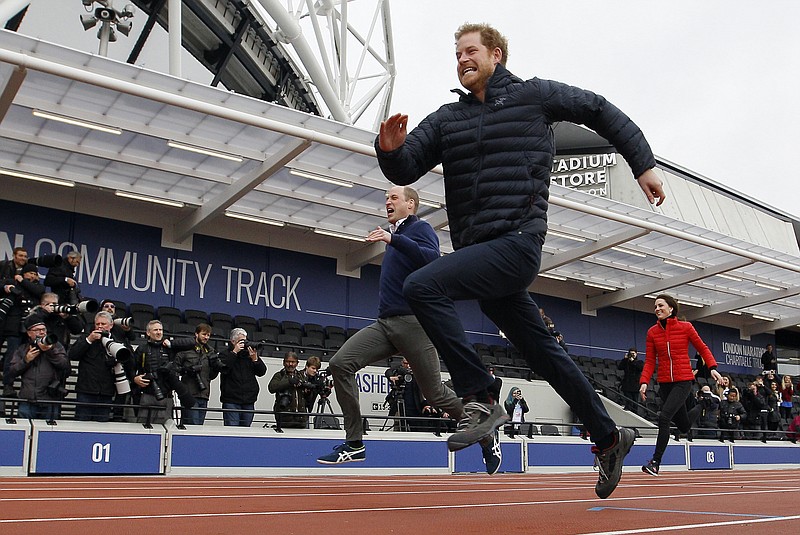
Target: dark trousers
x=498, y=273
x=673, y=409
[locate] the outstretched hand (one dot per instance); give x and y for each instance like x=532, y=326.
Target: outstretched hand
x=393, y=132
x=652, y=186
x=717, y=376
x=643, y=391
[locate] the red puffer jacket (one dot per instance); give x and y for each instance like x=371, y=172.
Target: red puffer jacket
x=669, y=348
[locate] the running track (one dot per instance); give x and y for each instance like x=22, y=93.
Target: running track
x=704, y=503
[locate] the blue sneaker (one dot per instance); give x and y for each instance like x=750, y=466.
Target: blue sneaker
x=344, y=454
x=492, y=454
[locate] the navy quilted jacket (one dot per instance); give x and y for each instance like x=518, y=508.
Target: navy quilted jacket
x=497, y=154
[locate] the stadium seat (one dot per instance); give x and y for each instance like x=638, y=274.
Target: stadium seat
x=248, y=323
x=195, y=317
x=221, y=320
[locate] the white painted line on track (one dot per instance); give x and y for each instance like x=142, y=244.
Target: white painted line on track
x=696, y=526
x=403, y=508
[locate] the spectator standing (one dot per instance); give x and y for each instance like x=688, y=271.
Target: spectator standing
x=787, y=399
x=313, y=383
x=668, y=352
x=40, y=364
x=768, y=359
x=198, y=366
x=496, y=147
x=239, y=388
x=516, y=407
x=287, y=385
x=631, y=368
x=755, y=403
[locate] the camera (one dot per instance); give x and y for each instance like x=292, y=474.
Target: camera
x=5, y=305
x=115, y=350
x=124, y=322
x=46, y=340
x=195, y=371
x=121, y=382
x=157, y=391
x=47, y=261
x=56, y=390
x=90, y=305
x=283, y=401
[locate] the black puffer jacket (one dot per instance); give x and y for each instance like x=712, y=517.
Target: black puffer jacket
x=497, y=154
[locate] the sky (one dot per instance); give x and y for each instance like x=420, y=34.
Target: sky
x=712, y=83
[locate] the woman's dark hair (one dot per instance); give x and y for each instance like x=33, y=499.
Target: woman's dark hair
x=672, y=302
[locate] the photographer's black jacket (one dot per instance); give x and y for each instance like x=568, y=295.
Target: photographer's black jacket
x=151, y=357
x=238, y=383
x=56, y=280
x=29, y=296
x=199, y=355
x=95, y=374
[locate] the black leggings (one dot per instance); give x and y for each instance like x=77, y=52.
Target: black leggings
x=673, y=409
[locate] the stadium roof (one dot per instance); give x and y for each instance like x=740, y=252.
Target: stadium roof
x=319, y=177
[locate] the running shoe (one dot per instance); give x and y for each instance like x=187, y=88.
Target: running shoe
x=609, y=462
x=492, y=454
x=344, y=454
x=479, y=421
x=651, y=468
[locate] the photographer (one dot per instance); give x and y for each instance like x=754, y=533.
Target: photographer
x=731, y=414
x=287, y=385
x=95, y=369
x=238, y=384
x=198, y=366
x=23, y=291
x=62, y=281
x=404, y=397
x=314, y=384
x=62, y=324
x=706, y=410
x=40, y=363
x=156, y=376
x=516, y=407
x=631, y=368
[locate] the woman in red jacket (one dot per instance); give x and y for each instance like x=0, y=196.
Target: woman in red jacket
x=668, y=349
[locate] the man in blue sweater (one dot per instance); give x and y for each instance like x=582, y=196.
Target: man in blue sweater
x=410, y=244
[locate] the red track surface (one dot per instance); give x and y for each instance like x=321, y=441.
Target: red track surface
x=705, y=503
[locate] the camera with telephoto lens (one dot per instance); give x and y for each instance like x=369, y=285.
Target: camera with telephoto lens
x=157, y=391
x=195, y=371
x=5, y=305
x=283, y=401
x=89, y=305
x=46, y=340
x=121, y=382
x=125, y=322
x=115, y=351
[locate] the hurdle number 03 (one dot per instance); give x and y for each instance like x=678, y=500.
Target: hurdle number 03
x=709, y=456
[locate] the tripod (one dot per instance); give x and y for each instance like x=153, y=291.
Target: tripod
x=322, y=420
x=400, y=423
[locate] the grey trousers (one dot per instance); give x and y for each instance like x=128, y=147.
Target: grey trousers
x=386, y=337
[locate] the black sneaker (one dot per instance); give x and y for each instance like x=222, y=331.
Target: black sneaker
x=344, y=454
x=609, y=462
x=479, y=421
x=651, y=468
x=492, y=454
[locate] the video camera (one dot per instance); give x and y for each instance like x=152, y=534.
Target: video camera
x=322, y=383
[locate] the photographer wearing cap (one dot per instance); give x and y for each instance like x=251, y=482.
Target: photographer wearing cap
x=156, y=376
x=23, y=291
x=238, y=384
x=40, y=363
x=95, y=387
x=287, y=385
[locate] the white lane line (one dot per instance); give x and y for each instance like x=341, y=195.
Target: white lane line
x=386, y=509
x=696, y=526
